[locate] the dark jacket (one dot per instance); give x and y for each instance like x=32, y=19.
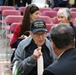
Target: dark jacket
x=74, y=28
x=26, y=64
x=61, y=3
x=65, y=65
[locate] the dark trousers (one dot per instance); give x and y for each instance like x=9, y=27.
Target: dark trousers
x=66, y=4
x=8, y=2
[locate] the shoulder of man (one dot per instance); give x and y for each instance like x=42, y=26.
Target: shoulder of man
x=25, y=42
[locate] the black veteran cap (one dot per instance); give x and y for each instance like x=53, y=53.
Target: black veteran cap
x=38, y=25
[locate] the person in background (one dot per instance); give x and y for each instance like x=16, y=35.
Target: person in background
x=1, y=2
x=63, y=3
x=22, y=2
x=63, y=44
x=64, y=16
x=48, y=2
x=21, y=31
x=31, y=13
x=28, y=52
x=8, y=2
x=60, y=3
x=54, y=3
x=74, y=5
x=26, y=1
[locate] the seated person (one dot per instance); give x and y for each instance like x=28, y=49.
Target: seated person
x=31, y=13
x=65, y=16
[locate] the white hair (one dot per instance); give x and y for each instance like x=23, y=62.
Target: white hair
x=66, y=12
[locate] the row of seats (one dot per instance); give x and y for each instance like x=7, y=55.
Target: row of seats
x=22, y=9
x=11, y=17
x=50, y=14
x=44, y=11
x=46, y=15
x=16, y=19
x=57, y=8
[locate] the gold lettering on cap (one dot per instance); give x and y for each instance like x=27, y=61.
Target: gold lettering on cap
x=38, y=24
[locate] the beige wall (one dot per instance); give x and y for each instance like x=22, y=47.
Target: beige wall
x=71, y=1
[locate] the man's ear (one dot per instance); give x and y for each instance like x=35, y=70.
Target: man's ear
x=53, y=46
x=55, y=49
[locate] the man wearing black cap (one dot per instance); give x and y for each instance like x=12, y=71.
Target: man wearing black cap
x=28, y=50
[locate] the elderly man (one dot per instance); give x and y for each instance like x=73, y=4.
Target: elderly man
x=63, y=43
x=28, y=51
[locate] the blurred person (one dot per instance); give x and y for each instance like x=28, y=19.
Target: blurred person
x=48, y=2
x=22, y=2
x=31, y=13
x=21, y=31
x=28, y=52
x=1, y=2
x=54, y=3
x=63, y=44
x=63, y=3
x=40, y=3
x=8, y=2
x=64, y=16
x=26, y=1
x=60, y=3
x=74, y=5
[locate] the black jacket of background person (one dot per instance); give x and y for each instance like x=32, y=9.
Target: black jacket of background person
x=65, y=65
x=74, y=28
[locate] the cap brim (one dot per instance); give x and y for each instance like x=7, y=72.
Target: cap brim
x=40, y=29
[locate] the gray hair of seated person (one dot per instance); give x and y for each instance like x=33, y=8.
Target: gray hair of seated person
x=62, y=35
x=66, y=12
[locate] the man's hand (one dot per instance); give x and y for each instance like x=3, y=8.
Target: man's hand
x=37, y=53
